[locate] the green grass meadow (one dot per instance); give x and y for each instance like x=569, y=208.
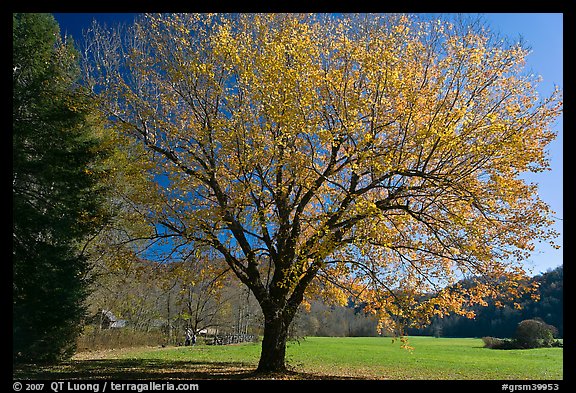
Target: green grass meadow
x=319, y=358
x=432, y=358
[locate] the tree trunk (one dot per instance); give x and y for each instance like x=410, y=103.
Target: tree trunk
x=272, y=358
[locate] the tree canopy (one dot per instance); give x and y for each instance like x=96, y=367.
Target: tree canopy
x=377, y=156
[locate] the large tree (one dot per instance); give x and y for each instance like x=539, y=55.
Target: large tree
x=55, y=197
x=373, y=156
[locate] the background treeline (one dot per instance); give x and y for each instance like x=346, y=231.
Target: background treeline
x=159, y=305
x=502, y=321
x=156, y=304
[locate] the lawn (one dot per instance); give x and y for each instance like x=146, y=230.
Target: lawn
x=432, y=358
x=316, y=358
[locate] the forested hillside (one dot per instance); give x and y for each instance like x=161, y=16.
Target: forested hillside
x=502, y=321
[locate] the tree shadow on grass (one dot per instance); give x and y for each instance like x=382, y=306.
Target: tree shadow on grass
x=119, y=369
x=151, y=369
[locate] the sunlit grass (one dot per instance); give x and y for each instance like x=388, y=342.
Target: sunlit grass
x=318, y=357
x=432, y=358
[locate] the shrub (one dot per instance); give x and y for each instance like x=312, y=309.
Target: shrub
x=558, y=344
x=533, y=333
x=93, y=339
x=492, y=342
x=499, y=343
x=530, y=333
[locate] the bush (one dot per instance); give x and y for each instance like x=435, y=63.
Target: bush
x=492, y=342
x=499, y=343
x=558, y=344
x=533, y=333
x=530, y=333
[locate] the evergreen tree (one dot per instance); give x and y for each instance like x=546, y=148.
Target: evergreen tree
x=55, y=194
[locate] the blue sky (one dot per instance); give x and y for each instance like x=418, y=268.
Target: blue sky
x=542, y=32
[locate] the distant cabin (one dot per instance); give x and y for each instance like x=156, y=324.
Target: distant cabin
x=208, y=331
x=110, y=321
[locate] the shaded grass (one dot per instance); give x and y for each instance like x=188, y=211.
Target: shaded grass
x=130, y=369
x=314, y=358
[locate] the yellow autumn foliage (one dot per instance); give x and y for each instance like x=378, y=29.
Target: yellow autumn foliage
x=373, y=157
